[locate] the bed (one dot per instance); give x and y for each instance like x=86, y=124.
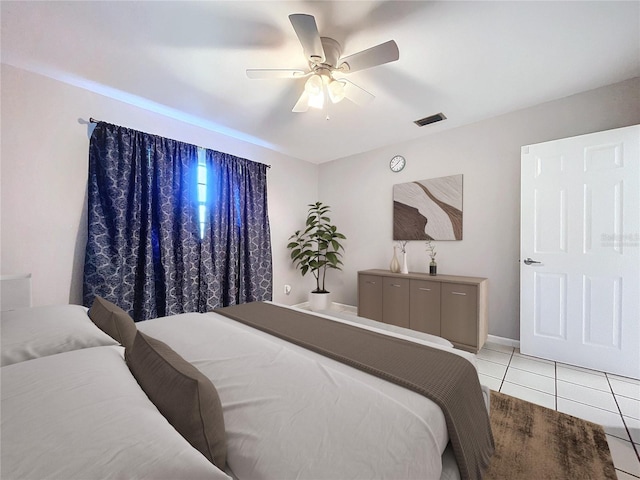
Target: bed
x=288, y=412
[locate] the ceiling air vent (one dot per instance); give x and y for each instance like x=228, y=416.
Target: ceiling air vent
x=438, y=117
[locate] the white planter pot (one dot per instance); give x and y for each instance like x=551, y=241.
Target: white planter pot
x=319, y=301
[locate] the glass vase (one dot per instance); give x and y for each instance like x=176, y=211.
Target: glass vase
x=395, y=264
x=433, y=268
x=404, y=268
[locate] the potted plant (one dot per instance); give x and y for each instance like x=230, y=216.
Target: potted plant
x=316, y=249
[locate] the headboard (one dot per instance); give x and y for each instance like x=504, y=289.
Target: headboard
x=15, y=291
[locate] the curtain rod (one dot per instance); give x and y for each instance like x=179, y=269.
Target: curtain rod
x=93, y=120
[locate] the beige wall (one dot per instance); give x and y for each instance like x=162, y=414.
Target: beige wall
x=487, y=153
x=44, y=173
x=44, y=155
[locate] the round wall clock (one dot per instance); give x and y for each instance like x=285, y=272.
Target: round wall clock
x=397, y=163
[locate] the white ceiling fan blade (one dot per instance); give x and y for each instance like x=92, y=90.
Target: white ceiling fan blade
x=357, y=95
x=274, y=73
x=302, y=105
x=371, y=57
x=307, y=32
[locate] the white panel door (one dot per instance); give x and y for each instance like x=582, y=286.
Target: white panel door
x=580, y=251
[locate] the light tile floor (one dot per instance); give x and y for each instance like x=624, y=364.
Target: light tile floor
x=609, y=400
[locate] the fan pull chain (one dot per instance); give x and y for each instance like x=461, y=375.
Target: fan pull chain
x=326, y=105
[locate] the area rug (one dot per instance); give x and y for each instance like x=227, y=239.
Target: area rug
x=533, y=442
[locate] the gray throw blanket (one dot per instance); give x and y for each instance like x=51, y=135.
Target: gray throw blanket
x=445, y=378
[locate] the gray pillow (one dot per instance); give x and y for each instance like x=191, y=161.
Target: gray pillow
x=186, y=398
x=113, y=321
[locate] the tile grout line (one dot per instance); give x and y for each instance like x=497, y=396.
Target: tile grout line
x=522, y=369
x=507, y=369
x=615, y=399
x=537, y=390
x=596, y=407
x=624, y=471
x=555, y=382
x=583, y=385
x=528, y=386
x=504, y=377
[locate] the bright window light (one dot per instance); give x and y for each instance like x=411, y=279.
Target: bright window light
x=202, y=191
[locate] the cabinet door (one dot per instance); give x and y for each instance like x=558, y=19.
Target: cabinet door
x=424, y=307
x=459, y=313
x=370, y=297
x=395, y=301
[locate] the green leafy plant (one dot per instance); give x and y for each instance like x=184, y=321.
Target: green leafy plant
x=317, y=248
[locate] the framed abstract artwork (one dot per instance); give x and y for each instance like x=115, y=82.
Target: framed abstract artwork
x=428, y=209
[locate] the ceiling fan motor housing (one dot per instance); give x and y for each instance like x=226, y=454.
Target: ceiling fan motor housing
x=332, y=51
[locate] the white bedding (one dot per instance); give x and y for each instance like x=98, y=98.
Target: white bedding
x=291, y=413
x=376, y=326
x=27, y=333
x=81, y=415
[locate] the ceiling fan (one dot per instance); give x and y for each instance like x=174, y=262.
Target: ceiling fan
x=325, y=61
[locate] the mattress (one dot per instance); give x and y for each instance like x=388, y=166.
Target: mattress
x=291, y=413
x=72, y=410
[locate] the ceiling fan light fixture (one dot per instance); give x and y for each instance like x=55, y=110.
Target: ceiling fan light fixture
x=315, y=89
x=314, y=85
x=336, y=90
x=317, y=100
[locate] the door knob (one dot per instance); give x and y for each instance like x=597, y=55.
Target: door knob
x=529, y=261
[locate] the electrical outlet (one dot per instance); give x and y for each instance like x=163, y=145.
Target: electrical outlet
x=287, y=289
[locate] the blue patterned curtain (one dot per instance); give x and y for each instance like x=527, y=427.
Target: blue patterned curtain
x=236, y=249
x=144, y=252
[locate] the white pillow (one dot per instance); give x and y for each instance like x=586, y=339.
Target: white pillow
x=81, y=415
x=28, y=333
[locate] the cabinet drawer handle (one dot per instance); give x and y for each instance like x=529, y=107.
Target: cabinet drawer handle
x=458, y=293
x=395, y=285
x=370, y=282
x=424, y=289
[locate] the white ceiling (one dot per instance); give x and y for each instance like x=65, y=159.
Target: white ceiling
x=469, y=60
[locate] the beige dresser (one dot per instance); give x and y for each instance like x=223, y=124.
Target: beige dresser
x=449, y=306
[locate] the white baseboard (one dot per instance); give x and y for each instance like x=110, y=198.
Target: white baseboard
x=334, y=306
x=346, y=308
x=509, y=342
